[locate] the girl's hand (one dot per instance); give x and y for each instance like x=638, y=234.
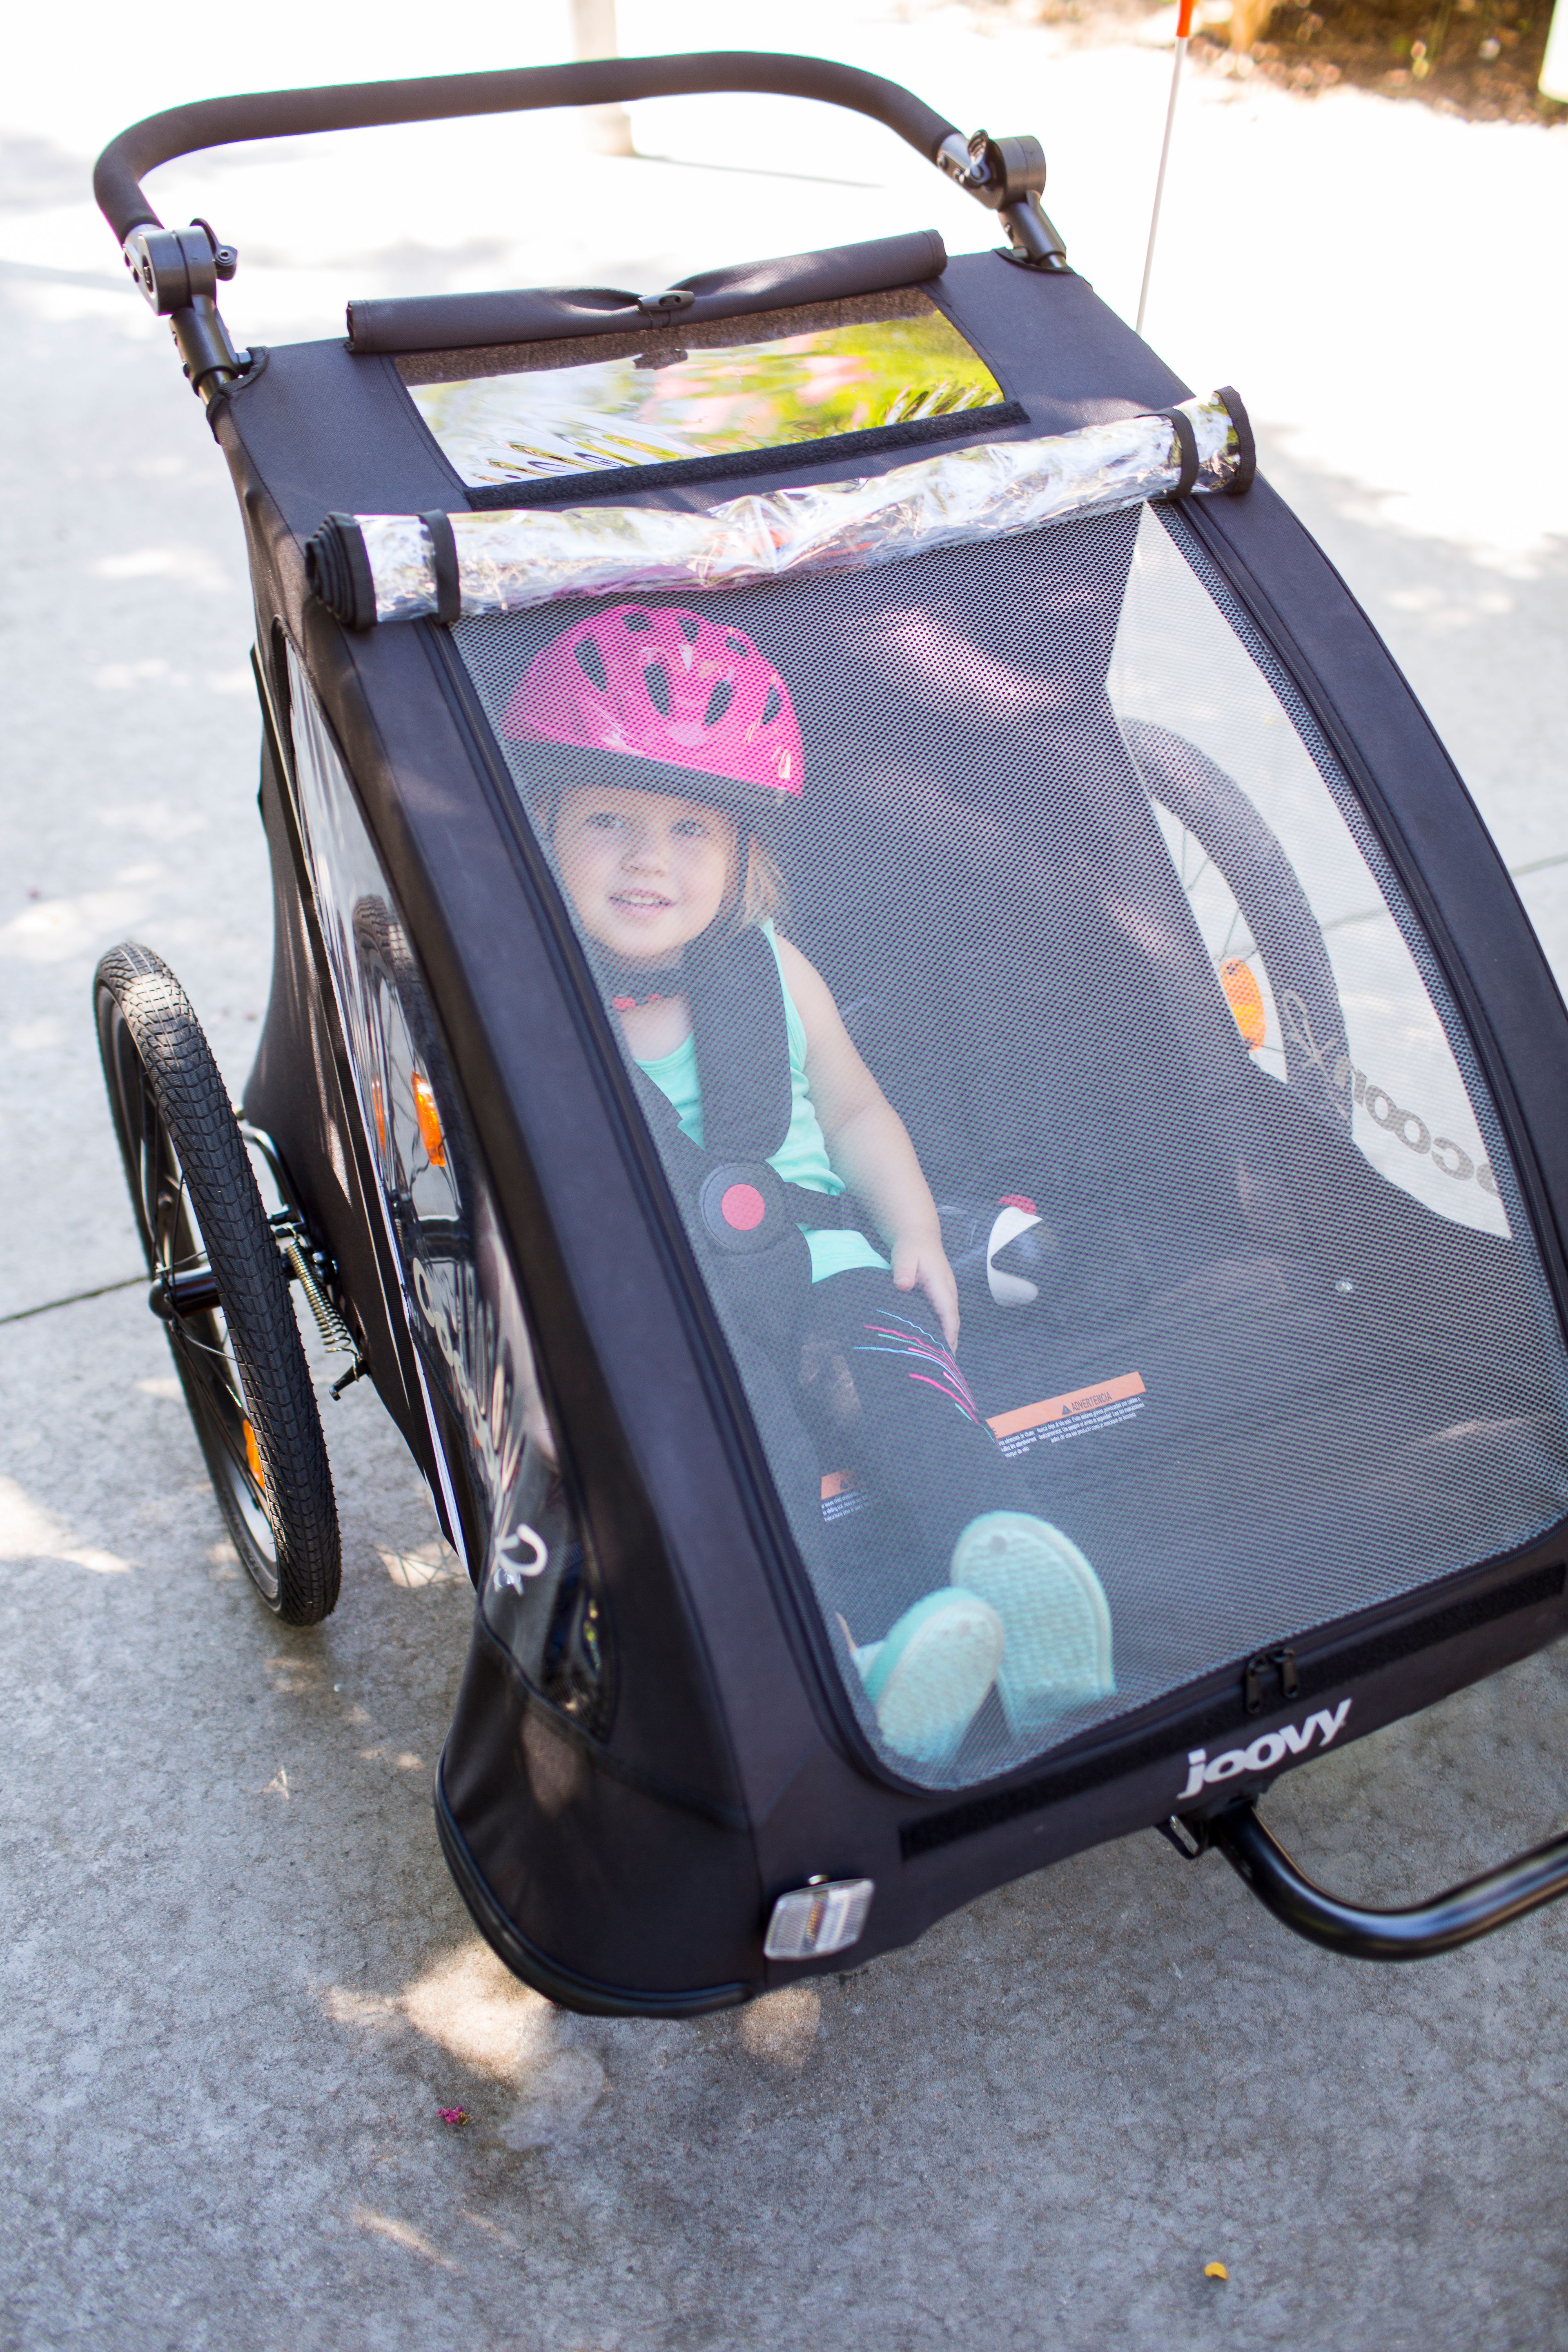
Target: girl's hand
x=920, y=1262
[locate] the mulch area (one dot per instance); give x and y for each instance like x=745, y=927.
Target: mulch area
x=1479, y=58
x=1474, y=58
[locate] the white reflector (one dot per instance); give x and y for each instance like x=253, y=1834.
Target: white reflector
x=826, y=1917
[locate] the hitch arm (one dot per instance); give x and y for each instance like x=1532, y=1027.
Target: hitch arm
x=1476, y=1908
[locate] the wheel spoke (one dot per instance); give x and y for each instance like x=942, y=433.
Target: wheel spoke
x=229, y=1426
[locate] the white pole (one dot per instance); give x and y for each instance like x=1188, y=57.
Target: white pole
x=1183, y=28
x=1553, y=82
x=606, y=129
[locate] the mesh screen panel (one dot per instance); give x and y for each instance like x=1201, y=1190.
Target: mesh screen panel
x=1254, y=1332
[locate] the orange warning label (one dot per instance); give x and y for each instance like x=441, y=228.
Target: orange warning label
x=841, y=1494
x=1064, y=1408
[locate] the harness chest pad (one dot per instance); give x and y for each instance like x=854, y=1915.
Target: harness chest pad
x=744, y=1206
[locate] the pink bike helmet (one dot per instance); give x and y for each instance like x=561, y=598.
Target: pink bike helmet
x=659, y=699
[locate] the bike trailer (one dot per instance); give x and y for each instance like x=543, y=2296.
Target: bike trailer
x=1149, y=899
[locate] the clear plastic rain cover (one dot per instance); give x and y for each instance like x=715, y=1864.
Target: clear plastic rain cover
x=1165, y=1290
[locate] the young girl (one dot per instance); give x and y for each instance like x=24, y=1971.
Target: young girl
x=668, y=756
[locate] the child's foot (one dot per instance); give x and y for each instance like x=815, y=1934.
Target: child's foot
x=929, y=1678
x=1052, y=1608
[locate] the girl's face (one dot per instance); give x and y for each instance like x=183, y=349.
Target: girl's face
x=647, y=874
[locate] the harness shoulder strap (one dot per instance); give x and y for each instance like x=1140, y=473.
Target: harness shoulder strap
x=742, y=1035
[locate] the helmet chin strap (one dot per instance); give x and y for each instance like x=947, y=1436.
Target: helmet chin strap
x=626, y=983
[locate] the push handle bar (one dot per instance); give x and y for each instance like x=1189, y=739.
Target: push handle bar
x=177, y=270
x=596, y=81
x=1476, y=1908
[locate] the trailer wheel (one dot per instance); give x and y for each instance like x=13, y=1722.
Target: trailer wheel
x=219, y=1285
x=1256, y=918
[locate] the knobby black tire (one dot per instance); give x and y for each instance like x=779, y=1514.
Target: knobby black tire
x=185, y=1159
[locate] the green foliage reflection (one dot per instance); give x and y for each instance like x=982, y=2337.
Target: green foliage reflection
x=763, y=395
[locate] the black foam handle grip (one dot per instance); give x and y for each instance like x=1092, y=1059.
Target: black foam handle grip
x=456, y=322
x=596, y=82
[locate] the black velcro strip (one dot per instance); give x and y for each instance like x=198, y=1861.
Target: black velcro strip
x=1245, y=446
x=614, y=482
x=448, y=579
x=1181, y=424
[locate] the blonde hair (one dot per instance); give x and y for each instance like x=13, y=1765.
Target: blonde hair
x=763, y=898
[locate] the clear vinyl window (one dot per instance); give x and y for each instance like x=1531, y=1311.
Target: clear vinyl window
x=1320, y=977
x=1238, y=1325
x=669, y=395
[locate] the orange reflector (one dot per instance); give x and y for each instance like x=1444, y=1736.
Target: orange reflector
x=253, y=1456
x=378, y=1106
x=1245, y=999
x=429, y=1119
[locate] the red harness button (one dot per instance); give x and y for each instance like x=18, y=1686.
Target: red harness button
x=744, y=1207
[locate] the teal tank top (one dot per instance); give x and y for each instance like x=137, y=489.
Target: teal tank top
x=800, y=1159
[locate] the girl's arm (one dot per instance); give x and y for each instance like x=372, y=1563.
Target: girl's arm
x=868, y=1144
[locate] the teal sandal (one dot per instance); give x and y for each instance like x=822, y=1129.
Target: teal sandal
x=1054, y=1610
x=929, y=1678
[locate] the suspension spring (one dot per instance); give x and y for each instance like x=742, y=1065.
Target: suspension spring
x=306, y=1267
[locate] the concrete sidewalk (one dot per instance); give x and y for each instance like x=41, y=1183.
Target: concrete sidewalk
x=237, y=1984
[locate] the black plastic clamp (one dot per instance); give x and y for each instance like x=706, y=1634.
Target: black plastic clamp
x=1007, y=176
x=175, y=267
x=177, y=270
x=1280, y=1663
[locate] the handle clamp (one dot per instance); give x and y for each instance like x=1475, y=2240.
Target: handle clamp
x=177, y=270
x=177, y=267
x=1007, y=176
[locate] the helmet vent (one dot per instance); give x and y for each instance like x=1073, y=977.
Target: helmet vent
x=686, y=693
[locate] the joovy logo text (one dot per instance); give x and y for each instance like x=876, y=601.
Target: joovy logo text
x=1264, y=1752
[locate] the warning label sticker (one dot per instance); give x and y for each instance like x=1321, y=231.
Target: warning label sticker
x=1075, y=1415
x=840, y=1496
